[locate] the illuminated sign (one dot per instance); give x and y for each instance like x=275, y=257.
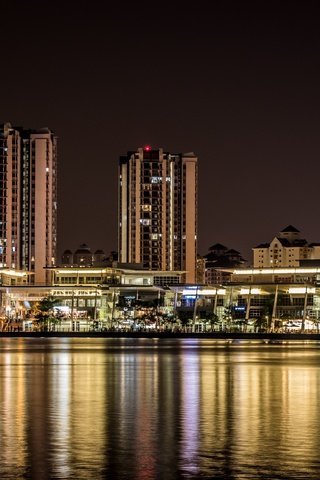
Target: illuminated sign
x=248, y=291
x=239, y=309
x=196, y=291
x=75, y=293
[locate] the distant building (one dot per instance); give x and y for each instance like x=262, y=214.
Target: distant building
x=287, y=249
x=158, y=210
x=99, y=256
x=83, y=257
x=28, y=199
x=67, y=258
x=221, y=257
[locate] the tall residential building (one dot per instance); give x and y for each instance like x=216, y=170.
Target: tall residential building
x=158, y=210
x=28, y=199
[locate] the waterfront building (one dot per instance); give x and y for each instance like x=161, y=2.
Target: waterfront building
x=28, y=199
x=279, y=296
x=88, y=296
x=287, y=249
x=158, y=210
x=277, y=299
x=270, y=299
x=10, y=277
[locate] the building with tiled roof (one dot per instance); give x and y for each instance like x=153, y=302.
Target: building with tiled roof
x=287, y=249
x=217, y=258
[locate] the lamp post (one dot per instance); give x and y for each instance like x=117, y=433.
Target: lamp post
x=195, y=311
x=274, y=310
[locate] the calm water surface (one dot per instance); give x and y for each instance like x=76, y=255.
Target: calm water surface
x=158, y=409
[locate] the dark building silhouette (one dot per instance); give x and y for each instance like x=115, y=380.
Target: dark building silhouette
x=220, y=257
x=67, y=257
x=83, y=257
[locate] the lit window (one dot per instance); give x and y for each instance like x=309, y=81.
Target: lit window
x=145, y=221
x=146, y=208
x=156, y=179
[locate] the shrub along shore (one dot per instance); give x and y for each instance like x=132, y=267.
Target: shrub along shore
x=226, y=336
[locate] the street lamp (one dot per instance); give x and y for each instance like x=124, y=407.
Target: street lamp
x=195, y=310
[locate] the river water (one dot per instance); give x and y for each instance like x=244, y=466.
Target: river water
x=158, y=409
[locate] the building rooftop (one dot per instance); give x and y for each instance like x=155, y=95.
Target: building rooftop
x=218, y=246
x=290, y=228
x=297, y=242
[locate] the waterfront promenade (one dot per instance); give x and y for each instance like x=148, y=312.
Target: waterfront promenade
x=223, y=336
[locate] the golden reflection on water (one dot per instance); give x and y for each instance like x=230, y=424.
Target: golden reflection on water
x=84, y=409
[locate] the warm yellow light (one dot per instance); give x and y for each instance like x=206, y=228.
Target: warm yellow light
x=75, y=293
x=14, y=273
x=248, y=291
x=81, y=270
x=296, y=290
x=275, y=271
x=197, y=292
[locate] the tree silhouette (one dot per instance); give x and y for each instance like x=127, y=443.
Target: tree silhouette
x=44, y=312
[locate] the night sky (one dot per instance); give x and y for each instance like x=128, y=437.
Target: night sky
x=237, y=83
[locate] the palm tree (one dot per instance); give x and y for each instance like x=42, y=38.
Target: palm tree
x=228, y=316
x=261, y=323
x=213, y=320
x=44, y=312
x=185, y=319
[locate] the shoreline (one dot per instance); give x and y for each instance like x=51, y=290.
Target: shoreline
x=262, y=337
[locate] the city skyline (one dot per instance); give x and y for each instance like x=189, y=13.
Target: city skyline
x=168, y=129
x=239, y=87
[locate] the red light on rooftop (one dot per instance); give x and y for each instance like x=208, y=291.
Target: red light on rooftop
x=147, y=148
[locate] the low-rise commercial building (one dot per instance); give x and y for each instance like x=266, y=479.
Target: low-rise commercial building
x=107, y=298
x=90, y=297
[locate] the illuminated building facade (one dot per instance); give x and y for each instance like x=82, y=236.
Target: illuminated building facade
x=158, y=210
x=254, y=300
x=87, y=294
x=287, y=249
x=28, y=206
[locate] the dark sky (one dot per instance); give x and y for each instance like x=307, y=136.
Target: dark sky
x=237, y=83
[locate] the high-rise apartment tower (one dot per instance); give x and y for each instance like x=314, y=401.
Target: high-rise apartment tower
x=28, y=203
x=158, y=210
